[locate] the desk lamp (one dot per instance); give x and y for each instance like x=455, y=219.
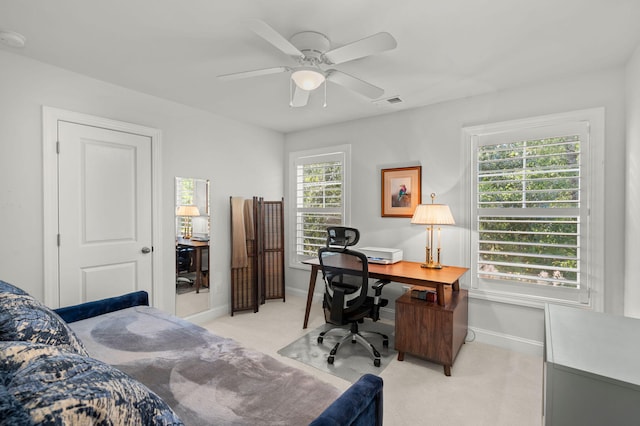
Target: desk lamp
x=188, y=212
x=432, y=214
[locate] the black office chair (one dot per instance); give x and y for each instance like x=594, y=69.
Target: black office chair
x=346, y=277
x=184, y=260
x=342, y=236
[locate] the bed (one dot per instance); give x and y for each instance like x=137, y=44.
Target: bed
x=120, y=361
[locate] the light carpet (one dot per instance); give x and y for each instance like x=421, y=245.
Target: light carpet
x=351, y=361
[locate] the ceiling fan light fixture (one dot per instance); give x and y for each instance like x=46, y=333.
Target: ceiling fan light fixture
x=308, y=78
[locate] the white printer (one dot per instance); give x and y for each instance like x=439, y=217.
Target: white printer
x=381, y=255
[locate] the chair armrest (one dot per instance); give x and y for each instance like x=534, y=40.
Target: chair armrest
x=103, y=306
x=379, y=285
x=377, y=301
x=337, y=306
x=361, y=404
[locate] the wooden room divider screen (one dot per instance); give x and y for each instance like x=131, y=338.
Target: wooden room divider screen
x=257, y=252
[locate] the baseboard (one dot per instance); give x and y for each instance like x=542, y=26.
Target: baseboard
x=208, y=315
x=303, y=293
x=501, y=340
x=506, y=341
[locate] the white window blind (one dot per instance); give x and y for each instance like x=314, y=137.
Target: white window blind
x=531, y=211
x=319, y=199
x=185, y=188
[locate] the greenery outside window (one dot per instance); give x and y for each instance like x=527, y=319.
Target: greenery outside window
x=532, y=188
x=185, y=188
x=319, y=186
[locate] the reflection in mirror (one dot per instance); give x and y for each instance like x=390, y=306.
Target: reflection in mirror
x=192, y=245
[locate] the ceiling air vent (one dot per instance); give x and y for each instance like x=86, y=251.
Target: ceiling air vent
x=392, y=101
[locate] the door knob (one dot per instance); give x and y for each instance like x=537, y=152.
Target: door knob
x=146, y=250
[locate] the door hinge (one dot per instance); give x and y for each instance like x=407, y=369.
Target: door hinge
x=57, y=147
x=58, y=240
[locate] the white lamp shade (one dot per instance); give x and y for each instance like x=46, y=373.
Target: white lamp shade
x=433, y=214
x=187, y=211
x=307, y=78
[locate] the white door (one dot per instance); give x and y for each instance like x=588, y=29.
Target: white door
x=105, y=217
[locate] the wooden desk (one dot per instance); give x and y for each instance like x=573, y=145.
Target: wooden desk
x=402, y=272
x=198, y=246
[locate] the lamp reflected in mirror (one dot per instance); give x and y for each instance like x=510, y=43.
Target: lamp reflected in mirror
x=187, y=212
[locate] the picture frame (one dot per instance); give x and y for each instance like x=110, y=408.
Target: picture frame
x=401, y=191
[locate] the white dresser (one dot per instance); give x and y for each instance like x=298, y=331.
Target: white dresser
x=591, y=368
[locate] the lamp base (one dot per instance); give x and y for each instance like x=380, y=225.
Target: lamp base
x=431, y=265
x=429, y=259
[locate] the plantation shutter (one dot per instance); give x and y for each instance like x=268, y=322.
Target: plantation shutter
x=319, y=200
x=531, y=209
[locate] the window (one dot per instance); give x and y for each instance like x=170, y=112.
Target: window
x=532, y=188
x=319, y=186
x=184, y=197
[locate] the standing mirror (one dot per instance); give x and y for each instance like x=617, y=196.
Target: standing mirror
x=192, y=245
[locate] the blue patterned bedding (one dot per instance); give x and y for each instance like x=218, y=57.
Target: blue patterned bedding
x=47, y=377
x=72, y=389
x=23, y=318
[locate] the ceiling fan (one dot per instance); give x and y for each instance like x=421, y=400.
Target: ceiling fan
x=314, y=57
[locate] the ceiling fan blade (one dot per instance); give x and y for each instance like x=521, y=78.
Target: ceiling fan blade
x=300, y=97
x=253, y=73
x=275, y=38
x=367, y=46
x=355, y=84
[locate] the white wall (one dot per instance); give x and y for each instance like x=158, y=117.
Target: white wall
x=239, y=159
x=632, y=222
x=431, y=136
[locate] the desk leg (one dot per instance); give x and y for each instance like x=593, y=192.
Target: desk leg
x=198, y=268
x=440, y=294
x=456, y=286
x=447, y=370
x=400, y=356
x=312, y=287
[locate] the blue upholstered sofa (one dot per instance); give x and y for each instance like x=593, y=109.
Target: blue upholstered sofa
x=48, y=377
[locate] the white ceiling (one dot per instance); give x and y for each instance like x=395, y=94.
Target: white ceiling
x=447, y=49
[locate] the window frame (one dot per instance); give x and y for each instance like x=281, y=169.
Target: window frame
x=341, y=153
x=591, y=210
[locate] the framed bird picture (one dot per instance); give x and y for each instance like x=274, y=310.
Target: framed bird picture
x=401, y=191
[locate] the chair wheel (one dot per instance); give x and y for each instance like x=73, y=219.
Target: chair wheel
x=376, y=362
x=385, y=343
x=330, y=360
x=320, y=339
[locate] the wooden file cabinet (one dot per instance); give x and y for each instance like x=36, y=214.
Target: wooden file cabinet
x=431, y=331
